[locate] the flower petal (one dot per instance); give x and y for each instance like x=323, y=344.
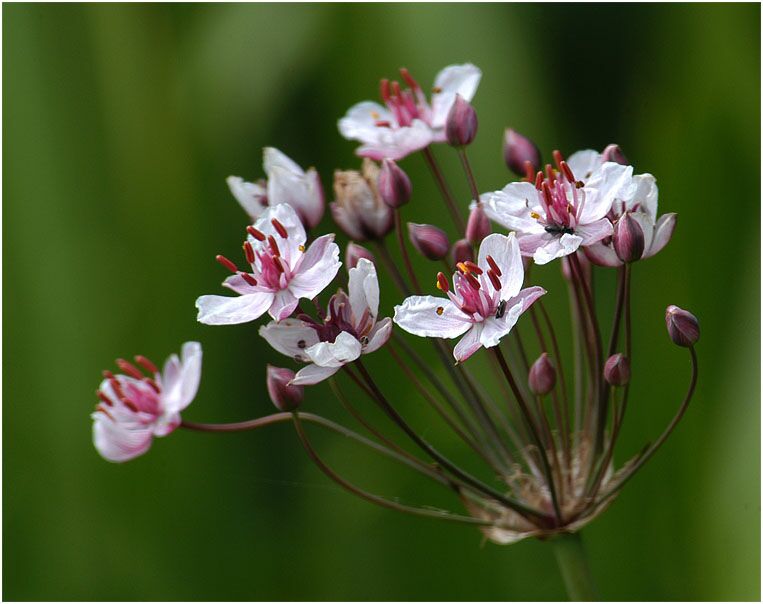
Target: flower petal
x=290, y=337
x=594, y=231
x=284, y=303
x=546, y=247
x=419, y=315
x=453, y=80
x=359, y=123
x=251, y=196
x=222, y=310
x=495, y=328
x=602, y=255
x=644, y=197
x=288, y=183
x=364, y=289
x=312, y=374
x=316, y=268
x=609, y=183
x=512, y=206
x=584, y=163
x=396, y=142
x=663, y=231
x=237, y=284
x=345, y=349
x=289, y=218
x=117, y=443
x=379, y=335
x=180, y=378
x=505, y=252
x=469, y=344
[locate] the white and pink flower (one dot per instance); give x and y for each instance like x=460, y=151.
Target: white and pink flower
x=560, y=213
x=641, y=203
x=283, y=270
x=349, y=329
x=136, y=407
x=407, y=122
x=286, y=183
x=485, y=303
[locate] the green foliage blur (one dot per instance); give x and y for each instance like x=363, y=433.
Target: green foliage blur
x=120, y=125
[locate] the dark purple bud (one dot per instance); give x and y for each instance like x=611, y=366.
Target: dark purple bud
x=354, y=253
x=614, y=153
x=462, y=251
x=461, y=123
x=517, y=150
x=617, y=370
x=430, y=241
x=284, y=396
x=683, y=327
x=478, y=226
x=628, y=238
x=542, y=378
x=394, y=184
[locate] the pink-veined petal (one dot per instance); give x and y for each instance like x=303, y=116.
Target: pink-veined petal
x=288, y=183
x=290, y=220
x=363, y=287
x=454, y=79
x=379, y=335
x=284, y=303
x=222, y=310
x=494, y=328
x=547, y=246
x=290, y=337
x=644, y=197
x=116, y=443
x=344, y=349
x=252, y=197
x=602, y=255
x=316, y=269
x=180, y=379
x=237, y=284
x=313, y=374
x=419, y=315
x=584, y=163
x=594, y=231
x=663, y=231
x=469, y=343
x=359, y=123
x=512, y=206
x=396, y=143
x=609, y=183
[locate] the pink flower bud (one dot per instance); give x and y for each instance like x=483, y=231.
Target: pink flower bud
x=628, y=238
x=461, y=123
x=478, y=226
x=517, y=150
x=354, y=253
x=614, y=153
x=430, y=241
x=683, y=327
x=358, y=208
x=617, y=370
x=284, y=396
x=462, y=252
x=394, y=184
x=542, y=378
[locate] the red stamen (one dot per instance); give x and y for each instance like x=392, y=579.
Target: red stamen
x=473, y=267
x=130, y=405
x=258, y=235
x=105, y=399
x=442, y=283
x=405, y=74
x=105, y=412
x=107, y=374
x=117, y=388
x=249, y=252
x=280, y=228
x=538, y=180
x=472, y=281
x=129, y=369
x=278, y=261
x=558, y=158
x=550, y=173
x=494, y=280
x=383, y=124
x=567, y=171
x=494, y=266
x=384, y=90
x=249, y=279
x=547, y=194
x=529, y=169
x=146, y=364
x=226, y=263
x=273, y=245
x=396, y=89
x=153, y=384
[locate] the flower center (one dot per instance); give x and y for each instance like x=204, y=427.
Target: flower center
x=140, y=395
x=406, y=105
x=340, y=318
x=476, y=292
x=561, y=198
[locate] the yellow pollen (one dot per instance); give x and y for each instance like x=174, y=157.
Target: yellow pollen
x=440, y=310
x=438, y=285
x=301, y=248
x=375, y=115
x=463, y=268
x=436, y=90
x=535, y=215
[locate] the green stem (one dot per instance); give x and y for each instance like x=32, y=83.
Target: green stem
x=573, y=564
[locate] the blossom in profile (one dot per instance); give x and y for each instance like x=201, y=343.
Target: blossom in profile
x=349, y=329
x=559, y=213
x=286, y=183
x=484, y=304
x=358, y=207
x=407, y=121
x=283, y=270
x=141, y=403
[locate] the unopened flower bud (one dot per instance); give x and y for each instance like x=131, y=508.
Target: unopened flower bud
x=683, y=327
x=517, y=150
x=358, y=208
x=628, y=238
x=614, y=153
x=284, y=396
x=478, y=225
x=462, y=251
x=617, y=370
x=542, y=377
x=430, y=241
x=461, y=123
x=354, y=253
x=394, y=184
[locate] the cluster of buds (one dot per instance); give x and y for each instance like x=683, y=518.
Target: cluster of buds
x=545, y=436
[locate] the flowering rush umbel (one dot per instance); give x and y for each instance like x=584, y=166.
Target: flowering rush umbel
x=542, y=424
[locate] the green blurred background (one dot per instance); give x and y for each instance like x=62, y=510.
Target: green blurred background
x=120, y=125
